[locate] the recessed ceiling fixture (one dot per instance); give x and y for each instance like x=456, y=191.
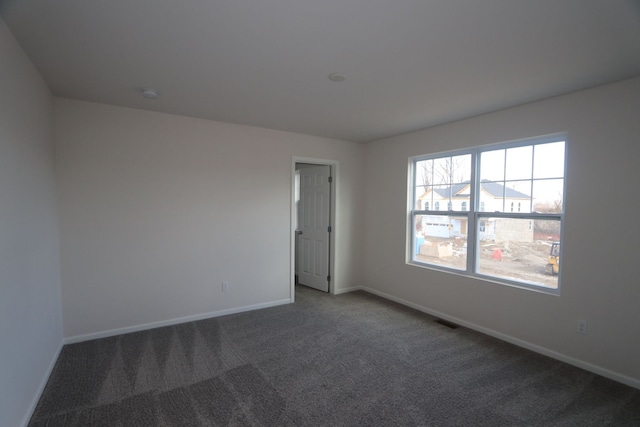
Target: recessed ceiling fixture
x=150, y=93
x=337, y=77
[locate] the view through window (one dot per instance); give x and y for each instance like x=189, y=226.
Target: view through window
x=497, y=211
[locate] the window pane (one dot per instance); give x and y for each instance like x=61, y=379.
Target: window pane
x=424, y=199
x=518, y=196
x=442, y=171
x=423, y=175
x=452, y=170
x=548, y=196
x=461, y=169
x=492, y=165
x=519, y=162
x=441, y=240
x=549, y=160
x=546, y=230
x=419, y=195
x=518, y=250
x=443, y=195
x=492, y=196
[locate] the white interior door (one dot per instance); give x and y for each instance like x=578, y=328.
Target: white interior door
x=314, y=227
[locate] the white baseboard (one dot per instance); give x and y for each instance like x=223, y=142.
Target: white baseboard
x=624, y=379
x=169, y=322
x=43, y=384
x=346, y=290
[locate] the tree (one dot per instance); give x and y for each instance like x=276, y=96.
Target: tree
x=554, y=206
x=444, y=171
x=425, y=173
x=550, y=228
x=449, y=170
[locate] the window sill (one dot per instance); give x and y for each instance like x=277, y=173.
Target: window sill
x=490, y=279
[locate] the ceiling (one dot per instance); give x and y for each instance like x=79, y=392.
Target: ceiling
x=409, y=64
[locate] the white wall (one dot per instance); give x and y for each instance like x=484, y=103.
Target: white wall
x=600, y=280
x=30, y=306
x=157, y=210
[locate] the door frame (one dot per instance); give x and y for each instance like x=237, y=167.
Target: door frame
x=332, y=217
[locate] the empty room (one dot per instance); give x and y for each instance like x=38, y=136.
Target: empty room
x=353, y=212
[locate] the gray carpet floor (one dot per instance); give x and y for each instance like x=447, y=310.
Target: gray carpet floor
x=347, y=360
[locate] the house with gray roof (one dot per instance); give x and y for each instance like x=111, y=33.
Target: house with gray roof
x=494, y=197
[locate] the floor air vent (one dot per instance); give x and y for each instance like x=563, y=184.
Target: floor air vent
x=447, y=323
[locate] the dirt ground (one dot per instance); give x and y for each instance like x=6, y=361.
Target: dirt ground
x=521, y=261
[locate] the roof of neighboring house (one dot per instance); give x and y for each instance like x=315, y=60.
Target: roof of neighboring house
x=453, y=191
x=493, y=188
x=496, y=190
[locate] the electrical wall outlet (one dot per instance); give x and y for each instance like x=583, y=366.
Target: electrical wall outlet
x=225, y=286
x=581, y=327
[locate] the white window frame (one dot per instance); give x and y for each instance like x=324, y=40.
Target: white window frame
x=475, y=216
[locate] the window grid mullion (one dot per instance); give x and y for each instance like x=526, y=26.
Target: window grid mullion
x=533, y=166
x=472, y=225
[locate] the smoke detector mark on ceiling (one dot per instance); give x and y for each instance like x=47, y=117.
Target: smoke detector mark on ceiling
x=150, y=93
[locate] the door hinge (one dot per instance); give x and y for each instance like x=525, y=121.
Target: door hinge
x=328, y=278
x=330, y=179
x=329, y=229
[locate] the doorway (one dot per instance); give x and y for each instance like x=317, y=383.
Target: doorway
x=312, y=219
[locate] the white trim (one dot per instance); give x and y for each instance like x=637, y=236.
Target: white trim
x=335, y=166
x=624, y=379
x=170, y=322
x=351, y=289
x=43, y=384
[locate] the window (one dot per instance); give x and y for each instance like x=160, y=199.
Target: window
x=511, y=199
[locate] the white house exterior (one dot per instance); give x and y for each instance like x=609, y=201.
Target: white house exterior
x=455, y=197
x=494, y=197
